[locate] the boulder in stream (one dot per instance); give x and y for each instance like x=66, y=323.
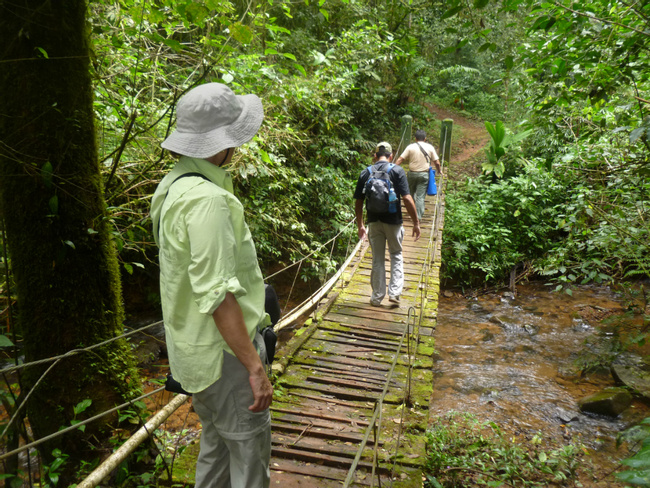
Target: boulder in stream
x=634, y=377
x=610, y=402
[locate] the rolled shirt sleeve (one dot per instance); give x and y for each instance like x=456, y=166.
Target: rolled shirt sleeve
x=213, y=254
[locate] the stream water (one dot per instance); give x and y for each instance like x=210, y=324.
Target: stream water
x=511, y=360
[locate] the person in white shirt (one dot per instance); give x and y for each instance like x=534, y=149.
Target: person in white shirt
x=420, y=156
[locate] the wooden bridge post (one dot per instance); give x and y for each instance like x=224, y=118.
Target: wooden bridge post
x=445, y=140
x=405, y=135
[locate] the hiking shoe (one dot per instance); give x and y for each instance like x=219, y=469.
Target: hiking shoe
x=394, y=300
x=375, y=303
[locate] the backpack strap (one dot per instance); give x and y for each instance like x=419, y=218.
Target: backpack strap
x=184, y=175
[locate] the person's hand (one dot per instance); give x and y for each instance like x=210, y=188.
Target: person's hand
x=363, y=235
x=262, y=391
x=416, y=231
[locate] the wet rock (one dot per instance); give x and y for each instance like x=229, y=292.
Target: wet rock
x=475, y=307
x=633, y=377
x=566, y=416
x=610, y=402
x=567, y=373
x=531, y=329
x=496, y=320
x=487, y=336
x=448, y=294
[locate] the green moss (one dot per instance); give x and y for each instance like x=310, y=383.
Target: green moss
x=184, y=466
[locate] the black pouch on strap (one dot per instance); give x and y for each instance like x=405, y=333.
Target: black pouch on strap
x=270, y=340
x=272, y=307
x=174, y=386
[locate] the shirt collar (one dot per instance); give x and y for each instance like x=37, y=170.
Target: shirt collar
x=217, y=175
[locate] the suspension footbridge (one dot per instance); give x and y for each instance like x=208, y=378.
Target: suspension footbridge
x=352, y=387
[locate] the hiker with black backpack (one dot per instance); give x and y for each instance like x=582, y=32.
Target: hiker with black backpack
x=421, y=156
x=381, y=186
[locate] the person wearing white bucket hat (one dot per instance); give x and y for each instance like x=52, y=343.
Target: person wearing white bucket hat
x=212, y=289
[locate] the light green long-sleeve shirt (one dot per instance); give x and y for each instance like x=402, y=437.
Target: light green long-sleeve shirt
x=206, y=250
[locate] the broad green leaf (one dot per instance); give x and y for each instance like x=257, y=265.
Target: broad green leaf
x=46, y=173
x=265, y=156
x=241, y=32
x=481, y=3
x=53, y=203
x=5, y=342
x=82, y=406
x=451, y=12
x=300, y=68
x=175, y=45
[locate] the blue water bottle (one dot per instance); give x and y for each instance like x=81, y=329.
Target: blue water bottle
x=392, y=201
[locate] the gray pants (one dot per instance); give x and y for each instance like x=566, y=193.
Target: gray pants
x=418, y=182
x=235, y=442
x=380, y=234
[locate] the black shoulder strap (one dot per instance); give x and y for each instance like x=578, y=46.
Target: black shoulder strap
x=424, y=152
x=184, y=175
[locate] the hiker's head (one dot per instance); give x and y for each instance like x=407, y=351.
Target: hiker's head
x=420, y=135
x=212, y=120
x=383, y=149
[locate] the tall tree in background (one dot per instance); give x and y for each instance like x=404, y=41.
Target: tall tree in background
x=64, y=263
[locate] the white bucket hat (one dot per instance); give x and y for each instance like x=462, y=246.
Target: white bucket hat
x=211, y=118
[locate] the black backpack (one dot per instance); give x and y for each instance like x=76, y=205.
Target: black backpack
x=380, y=195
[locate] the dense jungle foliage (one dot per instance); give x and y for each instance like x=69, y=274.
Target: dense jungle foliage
x=563, y=87
x=566, y=199
x=565, y=192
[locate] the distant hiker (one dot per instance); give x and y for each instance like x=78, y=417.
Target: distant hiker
x=420, y=155
x=212, y=289
x=377, y=186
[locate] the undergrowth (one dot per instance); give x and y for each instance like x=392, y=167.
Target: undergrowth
x=465, y=452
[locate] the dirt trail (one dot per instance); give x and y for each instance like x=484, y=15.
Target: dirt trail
x=469, y=140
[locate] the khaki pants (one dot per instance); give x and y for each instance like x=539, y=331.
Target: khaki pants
x=380, y=235
x=418, y=182
x=235, y=442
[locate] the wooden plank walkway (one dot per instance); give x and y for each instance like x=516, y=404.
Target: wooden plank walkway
x=356, y=374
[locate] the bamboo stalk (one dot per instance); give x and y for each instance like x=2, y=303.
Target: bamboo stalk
x=112, y=462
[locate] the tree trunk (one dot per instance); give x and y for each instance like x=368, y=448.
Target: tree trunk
x=64, y=262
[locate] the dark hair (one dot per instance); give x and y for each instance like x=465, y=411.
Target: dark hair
x=382, y=151
x=420, y=135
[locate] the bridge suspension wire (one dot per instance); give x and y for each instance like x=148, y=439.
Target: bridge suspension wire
x=79, y=424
